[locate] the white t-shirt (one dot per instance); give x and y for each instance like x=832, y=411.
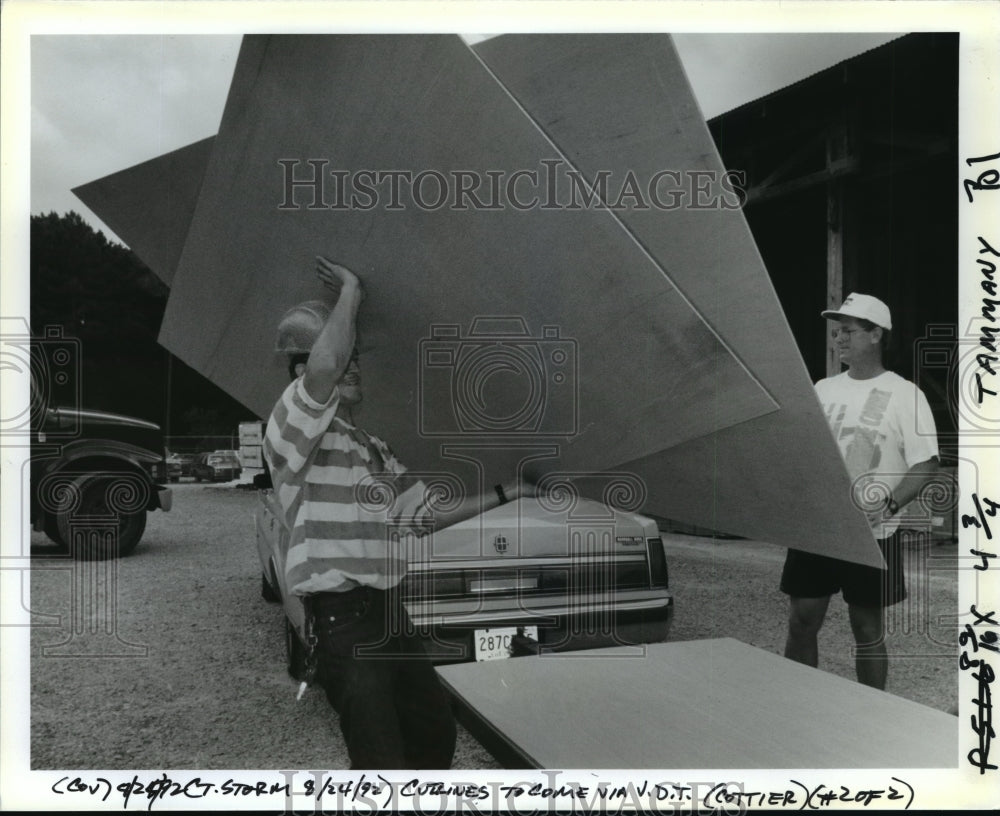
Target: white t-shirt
x=883, y=426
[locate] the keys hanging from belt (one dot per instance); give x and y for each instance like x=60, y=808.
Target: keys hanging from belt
x=311, y=659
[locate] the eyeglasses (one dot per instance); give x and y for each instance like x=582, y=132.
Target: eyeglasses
x=837, y=332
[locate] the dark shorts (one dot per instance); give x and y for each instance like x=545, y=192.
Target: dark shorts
x=807, y=575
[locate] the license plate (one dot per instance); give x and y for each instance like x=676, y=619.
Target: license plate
x=494, y=644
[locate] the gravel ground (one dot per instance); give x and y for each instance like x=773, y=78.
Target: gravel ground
x=730, y=589
x=191, y=675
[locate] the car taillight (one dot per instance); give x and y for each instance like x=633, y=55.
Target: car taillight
x=443, y=584
x=658, y=575
x=501, y=582
x=598, y=575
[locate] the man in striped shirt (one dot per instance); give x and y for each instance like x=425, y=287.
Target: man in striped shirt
x=346, y=555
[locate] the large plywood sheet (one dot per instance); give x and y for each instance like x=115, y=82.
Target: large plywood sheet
x=771, y=478
x=694, y=704
x=150, y=206
x=605, y=360
x=622, y=104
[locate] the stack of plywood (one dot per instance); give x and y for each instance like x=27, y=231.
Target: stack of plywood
x=251, y=439
x=647, y=339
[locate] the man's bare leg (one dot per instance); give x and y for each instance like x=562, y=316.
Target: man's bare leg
x=872, y=659
x=805, y=618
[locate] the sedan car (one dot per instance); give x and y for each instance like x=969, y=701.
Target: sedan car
x=522, y=578
x=179, y=464
x=216, y=467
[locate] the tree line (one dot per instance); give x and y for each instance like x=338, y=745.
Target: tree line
x=99, y=293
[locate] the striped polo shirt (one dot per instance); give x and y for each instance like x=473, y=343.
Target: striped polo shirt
x=345, y=529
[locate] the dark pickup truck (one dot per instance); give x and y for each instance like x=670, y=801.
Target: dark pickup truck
x=94, y=476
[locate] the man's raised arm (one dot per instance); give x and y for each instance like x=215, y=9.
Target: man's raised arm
x=333, y=348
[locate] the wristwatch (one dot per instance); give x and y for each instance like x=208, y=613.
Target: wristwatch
x=891, y=507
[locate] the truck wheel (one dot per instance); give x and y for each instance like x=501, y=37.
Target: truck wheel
x=93, y=502
x=295, y=651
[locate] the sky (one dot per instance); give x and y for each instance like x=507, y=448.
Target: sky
x=101, y=103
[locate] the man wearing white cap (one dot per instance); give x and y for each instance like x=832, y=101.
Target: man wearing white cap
x=886, y=434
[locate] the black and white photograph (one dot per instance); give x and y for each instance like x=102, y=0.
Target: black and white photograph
x=499, y=407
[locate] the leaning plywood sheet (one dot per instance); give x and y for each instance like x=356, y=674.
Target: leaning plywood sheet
x=149, y=206
x=488, y=327
x=622, y=105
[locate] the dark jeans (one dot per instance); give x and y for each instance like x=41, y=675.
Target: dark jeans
x=394, y=712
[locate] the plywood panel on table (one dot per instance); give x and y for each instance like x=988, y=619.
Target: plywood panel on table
x=695, y=704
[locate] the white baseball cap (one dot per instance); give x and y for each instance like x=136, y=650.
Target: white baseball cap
x=863, y=307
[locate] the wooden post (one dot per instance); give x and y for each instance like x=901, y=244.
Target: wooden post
x=834, y=268
x=836, y=150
